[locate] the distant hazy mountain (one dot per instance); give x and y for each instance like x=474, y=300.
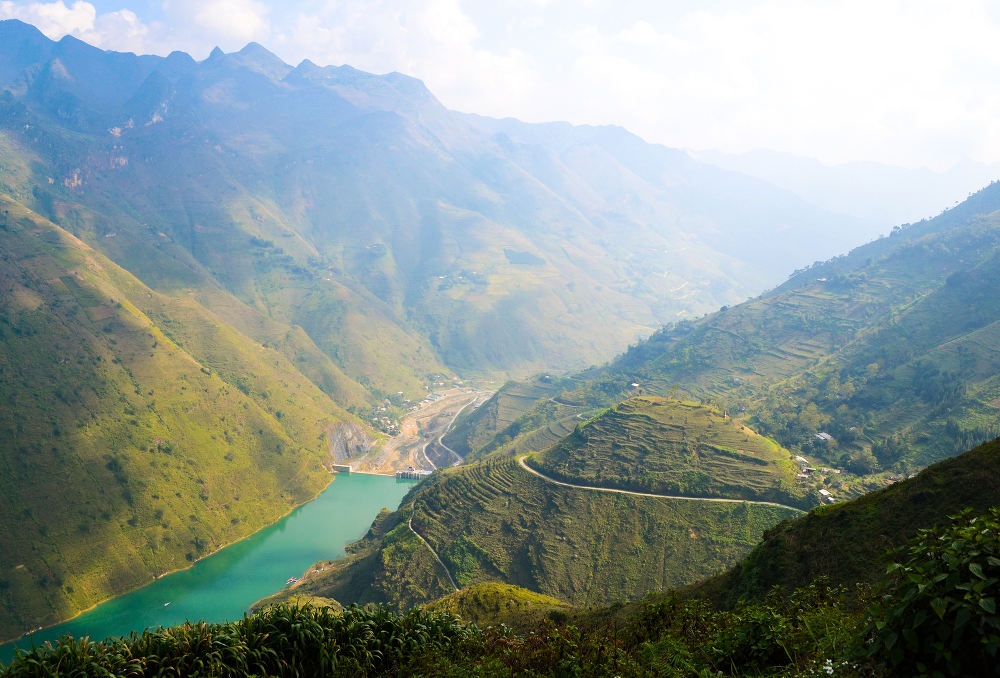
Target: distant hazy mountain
x=872, y=194
x=322, y=194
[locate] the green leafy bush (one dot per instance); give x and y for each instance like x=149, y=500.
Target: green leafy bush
x=938, y=616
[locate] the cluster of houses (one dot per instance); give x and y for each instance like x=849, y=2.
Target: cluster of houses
x=808, y=472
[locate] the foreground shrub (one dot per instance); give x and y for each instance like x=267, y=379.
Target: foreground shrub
x=938, y=616
x=280, y=641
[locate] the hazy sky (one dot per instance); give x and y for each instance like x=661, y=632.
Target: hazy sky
x=910, y=83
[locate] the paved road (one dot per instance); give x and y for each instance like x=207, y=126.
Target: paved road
x=649, y=494
x=433, y=552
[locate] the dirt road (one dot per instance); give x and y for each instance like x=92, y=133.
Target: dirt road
x=422, y=427
x=722, y=500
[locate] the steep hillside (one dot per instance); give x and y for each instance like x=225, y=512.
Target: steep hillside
x=139, y=431
x=847, y=542
x=473, y=435
x=399, y=235
x=496, y=521
x=888, y=351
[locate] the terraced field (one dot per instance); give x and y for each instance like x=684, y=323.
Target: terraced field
x=651, y=444
x=494, y=521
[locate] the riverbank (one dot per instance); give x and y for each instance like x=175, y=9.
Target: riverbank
x=167, y=573
x=222, y=586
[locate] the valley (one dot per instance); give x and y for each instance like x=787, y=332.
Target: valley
x=634, y=388
x=502, y=520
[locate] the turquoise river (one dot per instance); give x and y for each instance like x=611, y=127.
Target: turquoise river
x=222, y=586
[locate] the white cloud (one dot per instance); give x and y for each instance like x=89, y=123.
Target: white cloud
x=239, y=20
x=434, y=40
x=120, y=30
x=905, y=82
x=54, y=19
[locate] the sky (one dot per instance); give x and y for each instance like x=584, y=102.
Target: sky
x=910, y=83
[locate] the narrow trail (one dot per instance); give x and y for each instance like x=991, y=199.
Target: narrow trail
x=439, y=441
x=433, y=552
x=440, y=438
x=423, y=451
x=649, y=494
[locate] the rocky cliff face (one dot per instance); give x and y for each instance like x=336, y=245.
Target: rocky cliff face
x=347, y=439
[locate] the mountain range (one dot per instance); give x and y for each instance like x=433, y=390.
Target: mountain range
x=356, y=206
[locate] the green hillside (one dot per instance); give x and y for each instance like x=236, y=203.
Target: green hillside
x=491, y=604
x=139, y=431
x=888, y=351
x=652, y=444
x=494, y=521
x=847, y=542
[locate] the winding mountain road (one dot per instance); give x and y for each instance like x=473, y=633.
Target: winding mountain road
x=527, y=468
x=433, y=552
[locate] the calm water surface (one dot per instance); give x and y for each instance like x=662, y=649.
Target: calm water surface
x=222, y=586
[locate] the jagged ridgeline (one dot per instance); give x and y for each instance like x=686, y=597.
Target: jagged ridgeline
x=498, y=521
x=138, y=431
x=889, y=350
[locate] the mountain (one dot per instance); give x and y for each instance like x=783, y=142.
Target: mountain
x=499, y=520
x=404, y=238
x=887, y=351
x=814, y=629
x=867, y=367
x=219, y=269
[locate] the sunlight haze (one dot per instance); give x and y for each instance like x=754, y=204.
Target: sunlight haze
x=904, y=83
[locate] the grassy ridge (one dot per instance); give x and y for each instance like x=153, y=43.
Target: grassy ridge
x=495, y=603
x=651, y=444
x=495, y=522
x=139, y=433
